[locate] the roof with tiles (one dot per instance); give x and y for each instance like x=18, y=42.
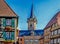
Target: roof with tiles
x=5, y=10
x=28, y=33
x=53, y=20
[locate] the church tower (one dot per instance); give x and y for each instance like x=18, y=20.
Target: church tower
x=32, y=21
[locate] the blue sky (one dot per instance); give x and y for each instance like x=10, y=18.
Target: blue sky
x=44, y=10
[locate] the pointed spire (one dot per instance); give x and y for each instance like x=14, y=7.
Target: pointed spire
x=32, y=12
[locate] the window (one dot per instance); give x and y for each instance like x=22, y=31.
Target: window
x=53, y=25
x=1, y=29
x=31, y=25
x=26, y=41
x=1, y=35
x=55, y=41
x=36, y=41
x=8, y=22
x=31, y=41
x=55, y=32
x=52, y=33
x=46, y=37
x=8, y=35
x=21, y=39
x=51, y=41
x=58, y=31
x=58, y=40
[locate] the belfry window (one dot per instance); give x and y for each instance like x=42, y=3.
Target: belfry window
x=31, y=25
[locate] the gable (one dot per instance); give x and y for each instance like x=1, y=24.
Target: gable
x=5, y=10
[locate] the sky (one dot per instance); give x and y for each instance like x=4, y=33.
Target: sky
x=44, y=10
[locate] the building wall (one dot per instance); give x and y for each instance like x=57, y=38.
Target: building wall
x=32, y=39
x=55, y=31
x=47, y=35
x=33, y=25
x=8, y=27
x=21, y=40
x=41, y=41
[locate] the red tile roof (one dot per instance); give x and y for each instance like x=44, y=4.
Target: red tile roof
x=5, y=10
x=53, y=20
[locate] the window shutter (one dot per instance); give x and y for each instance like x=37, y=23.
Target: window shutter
x=4, y=22
x=4, y=35
x=13, y=36
x=13, y=23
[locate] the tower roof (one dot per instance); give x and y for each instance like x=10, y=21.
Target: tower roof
x=28, y=32
x=32, y=16
x=32, y=12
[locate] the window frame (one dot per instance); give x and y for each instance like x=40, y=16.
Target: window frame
x=9, y=22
